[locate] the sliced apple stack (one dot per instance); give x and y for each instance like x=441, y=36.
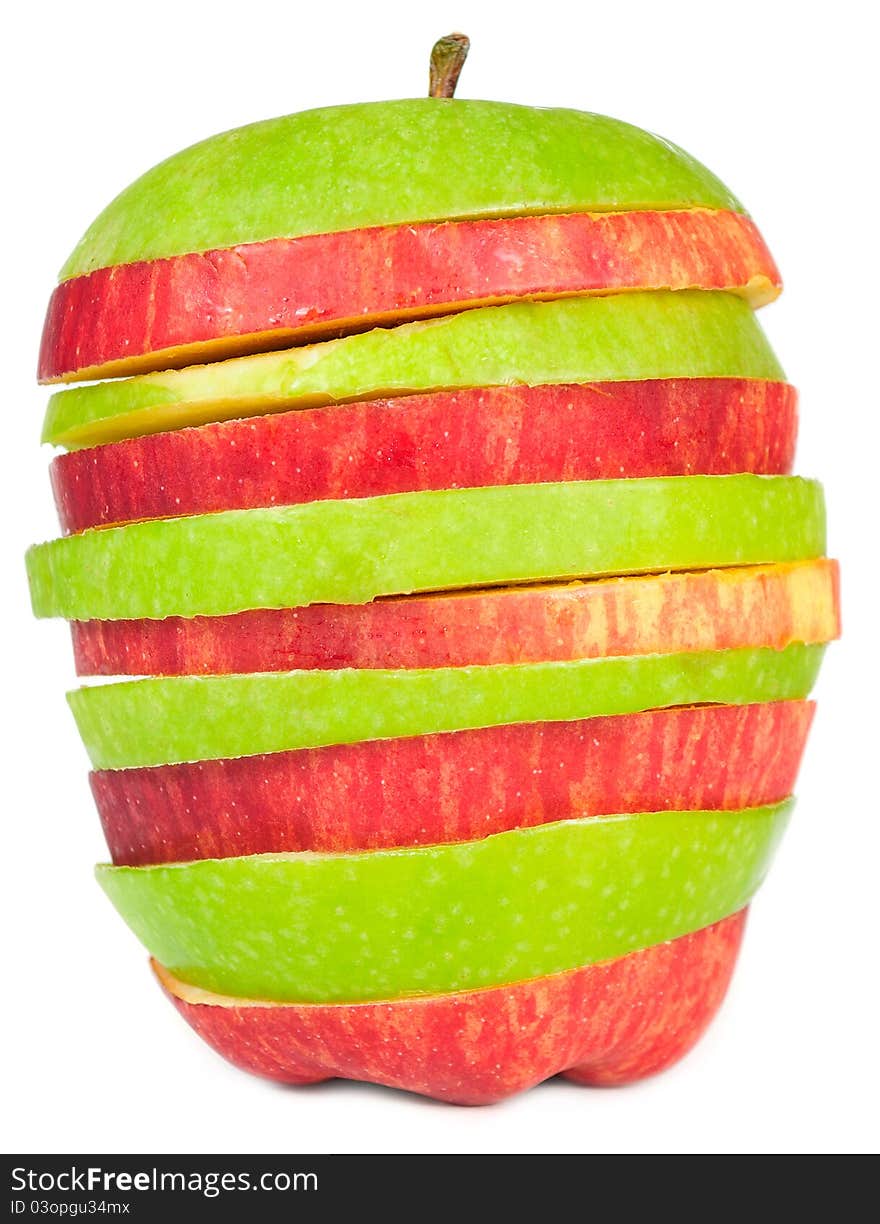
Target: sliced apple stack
x=470, y=652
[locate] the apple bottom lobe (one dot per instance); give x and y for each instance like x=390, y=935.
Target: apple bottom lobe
x=606, y=1024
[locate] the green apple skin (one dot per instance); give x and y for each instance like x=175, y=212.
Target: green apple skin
x=352, y=551
x=170, y=720
x=344, y=928
x=387, y=163
x=690, y=333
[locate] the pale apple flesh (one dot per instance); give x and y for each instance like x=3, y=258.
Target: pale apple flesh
x=610, y=1023
x=456, y=439
x=221, y=303
x=770, y=605
x=452, y=787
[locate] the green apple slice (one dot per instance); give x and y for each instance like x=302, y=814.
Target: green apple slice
x=318, y=928
x=385, y=163
x=351, y=551
x=688, y=334
x=167, y=720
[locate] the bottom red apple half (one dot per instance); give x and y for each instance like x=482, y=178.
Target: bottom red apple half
x=606, y=1024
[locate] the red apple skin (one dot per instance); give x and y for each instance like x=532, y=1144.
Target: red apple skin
x=267, y=295
x=606, y=1024
x=765, y=605
x=450, y=439
x=455, y=786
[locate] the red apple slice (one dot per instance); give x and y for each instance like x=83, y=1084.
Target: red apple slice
x=610, y=1023
x=762, y=605
x=200, y=307
x=450, y=439
x=455, y=786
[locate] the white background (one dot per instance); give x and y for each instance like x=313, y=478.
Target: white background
x=778, y=99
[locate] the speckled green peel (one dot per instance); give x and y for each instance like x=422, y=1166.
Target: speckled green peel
x=687, y=334
x=352, y=551
x=384, y=163
x=318, y=928
x=167, y=720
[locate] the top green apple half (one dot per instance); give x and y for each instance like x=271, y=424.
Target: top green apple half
x=629, y=336
x=387, y=163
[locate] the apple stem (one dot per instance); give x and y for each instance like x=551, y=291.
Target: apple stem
x=447, y=60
